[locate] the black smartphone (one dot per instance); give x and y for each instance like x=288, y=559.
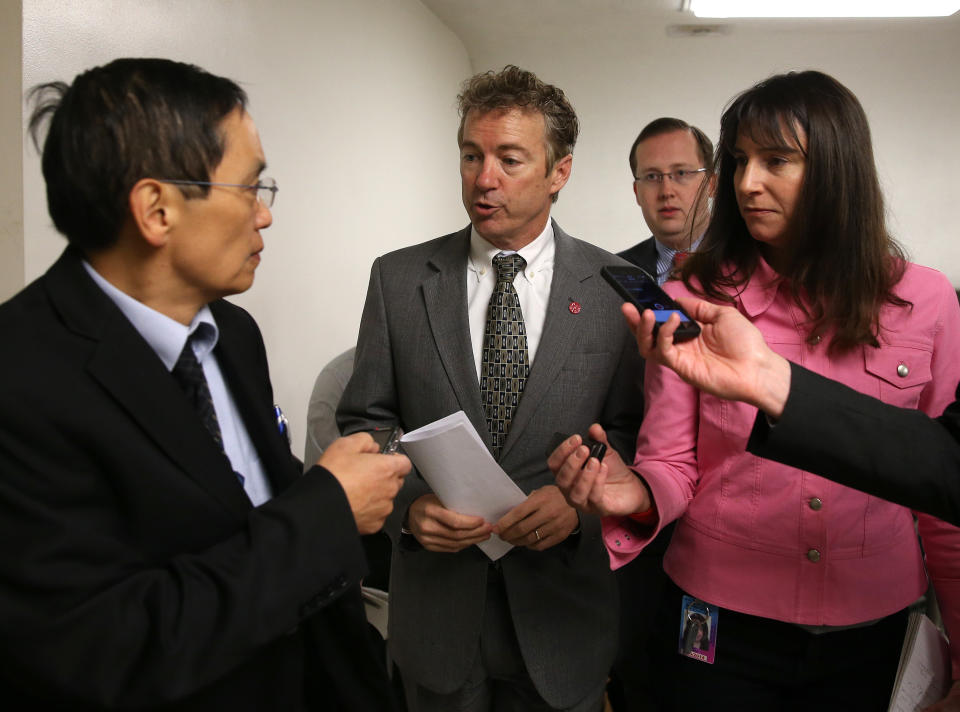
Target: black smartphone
x=597, y=448
x=638, y=287
x=388, y=439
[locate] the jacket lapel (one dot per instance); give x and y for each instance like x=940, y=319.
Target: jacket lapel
x=132, y=374
x=445, y=301
x=571, y=283
x=648, y=260
x=250, y=390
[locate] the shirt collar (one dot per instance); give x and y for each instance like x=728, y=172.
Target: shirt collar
x=537, y=254
x=666, y=253
x=164, y=335
x=761, y=290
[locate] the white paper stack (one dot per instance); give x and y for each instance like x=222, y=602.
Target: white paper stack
x=462, y=473
x=923, y=677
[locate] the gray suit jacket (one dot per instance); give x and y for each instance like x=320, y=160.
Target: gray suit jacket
x=322, y=412
x=414, y=364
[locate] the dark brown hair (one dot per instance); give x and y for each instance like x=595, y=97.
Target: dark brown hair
x=842, y=263
x=665, y=125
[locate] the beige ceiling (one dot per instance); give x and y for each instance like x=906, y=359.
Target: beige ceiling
x=484, y=26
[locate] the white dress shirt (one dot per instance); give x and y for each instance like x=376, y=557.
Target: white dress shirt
x=532, y=285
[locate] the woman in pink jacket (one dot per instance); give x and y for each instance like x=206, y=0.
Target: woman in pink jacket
x=805, y=581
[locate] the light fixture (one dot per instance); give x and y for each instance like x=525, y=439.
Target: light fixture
x=823, y=8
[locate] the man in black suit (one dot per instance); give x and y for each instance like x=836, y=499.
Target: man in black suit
x=807, y=421
x=163, y=550
x=672, y=166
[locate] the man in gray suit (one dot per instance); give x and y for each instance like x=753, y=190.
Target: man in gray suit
x=672, y=166
x=509, y=321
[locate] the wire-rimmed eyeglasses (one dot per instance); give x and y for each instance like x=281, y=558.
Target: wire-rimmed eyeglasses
x=266, y=188
x=684, y=176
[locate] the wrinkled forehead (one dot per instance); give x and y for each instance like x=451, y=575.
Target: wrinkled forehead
x=504, y=114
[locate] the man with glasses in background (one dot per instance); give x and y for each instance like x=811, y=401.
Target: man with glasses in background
x=169, y=554
x=672, y=166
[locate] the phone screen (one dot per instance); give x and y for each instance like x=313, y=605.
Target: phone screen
x=635, y=285
x=645, y=292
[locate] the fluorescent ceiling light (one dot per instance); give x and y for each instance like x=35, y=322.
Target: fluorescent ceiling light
x=824, y=8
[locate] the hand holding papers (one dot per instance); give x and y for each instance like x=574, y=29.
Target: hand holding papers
x=462, y=473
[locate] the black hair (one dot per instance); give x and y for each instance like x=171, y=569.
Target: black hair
x=122, y=122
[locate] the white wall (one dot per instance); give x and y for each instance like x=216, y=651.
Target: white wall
x=11, y=167
x=907, y=77
x=355, y=106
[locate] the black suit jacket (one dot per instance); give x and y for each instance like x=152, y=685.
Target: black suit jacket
x=136, y=572
x=898, y=454
x=643, y=255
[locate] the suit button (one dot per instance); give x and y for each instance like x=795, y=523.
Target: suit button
x=903, y=371
x=816, y=504
x=813, y=555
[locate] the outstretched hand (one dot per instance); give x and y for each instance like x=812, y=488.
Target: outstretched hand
x=729, y=358
x=606, y=488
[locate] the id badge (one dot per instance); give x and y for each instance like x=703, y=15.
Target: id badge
x=698, y=629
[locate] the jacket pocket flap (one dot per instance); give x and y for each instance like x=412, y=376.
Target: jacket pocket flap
x=900, y=366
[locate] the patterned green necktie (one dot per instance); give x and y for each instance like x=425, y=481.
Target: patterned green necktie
x=504, y=363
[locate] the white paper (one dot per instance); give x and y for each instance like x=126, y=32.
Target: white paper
x=923, y=677
x=462, y=473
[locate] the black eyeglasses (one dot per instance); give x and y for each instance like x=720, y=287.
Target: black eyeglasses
x=266, y=188
x=684, y=176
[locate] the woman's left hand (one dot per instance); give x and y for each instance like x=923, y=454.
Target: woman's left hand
x=609, y=488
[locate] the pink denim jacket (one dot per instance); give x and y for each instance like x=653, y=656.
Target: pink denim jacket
x=774, y=541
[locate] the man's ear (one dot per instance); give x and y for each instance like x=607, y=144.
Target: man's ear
x=636, y=190
x=561, y=173
x=153, y=209
x=712, y=185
